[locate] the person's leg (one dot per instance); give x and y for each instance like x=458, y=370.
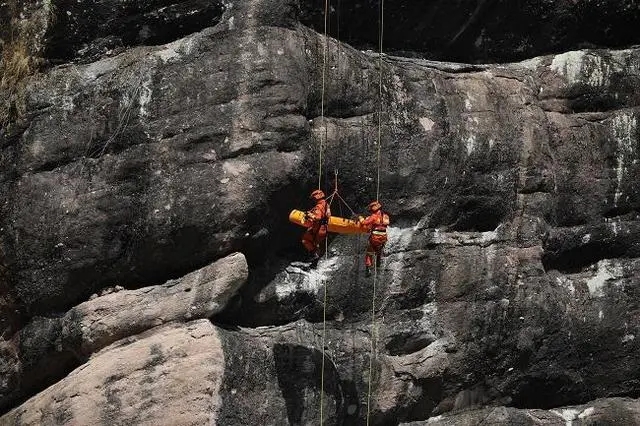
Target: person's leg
x=371, y=252
x=368, y=257
x=321, y=240
x=309, y=241
x=378, y=242
x=379, y=254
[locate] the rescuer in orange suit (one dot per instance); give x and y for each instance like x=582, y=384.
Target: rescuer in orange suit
x=376, y=223
x=318, y=220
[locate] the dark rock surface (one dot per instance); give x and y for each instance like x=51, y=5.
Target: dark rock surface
x=164, y=190
x=511, y=274
x=608, y=411
x=88, y=29
x=479, y=30
x=284, y=363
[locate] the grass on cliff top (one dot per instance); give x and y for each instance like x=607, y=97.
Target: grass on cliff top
x=16, y=65
x=19, y=59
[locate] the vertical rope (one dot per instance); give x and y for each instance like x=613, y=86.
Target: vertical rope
x=324, y=71
x=326, y=243
x=373, y=331
x=338, y=37
x=324, y=318
x=379, y=99
x=324, y=329
x=375, y=266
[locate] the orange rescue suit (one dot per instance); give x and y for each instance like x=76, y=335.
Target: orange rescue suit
x=377, y=223
x=318, y=218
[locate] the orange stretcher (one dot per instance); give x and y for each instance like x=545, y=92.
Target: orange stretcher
x=337, y=224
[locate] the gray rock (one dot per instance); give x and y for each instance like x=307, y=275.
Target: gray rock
x=511, y=273
x=88, y=30
x=467, y=148
x=200, y=294
x=284, y=364
x=474, y=31
x=489, y=325
x=193, y=373
x=168, y=375
x=609, y=411
x=48, y=348
x=177, y=213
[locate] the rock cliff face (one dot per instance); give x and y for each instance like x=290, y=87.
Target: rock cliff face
x=177, y=135
x=479, y=30
x=46, y=349
x=613, y=411
x=165, y=376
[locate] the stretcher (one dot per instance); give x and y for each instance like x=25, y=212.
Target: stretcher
x=337, y=225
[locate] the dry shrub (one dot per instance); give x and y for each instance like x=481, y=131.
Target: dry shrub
x=16, y=65
x=20, y=55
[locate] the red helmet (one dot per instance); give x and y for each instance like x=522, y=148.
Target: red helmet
x=374, y=206
x=317, y=194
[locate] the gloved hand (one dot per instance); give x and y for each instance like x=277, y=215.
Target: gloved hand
x=360, y=220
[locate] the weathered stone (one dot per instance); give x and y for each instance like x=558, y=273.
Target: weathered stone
x=607, y=411
x=205, y=192
x=195, y=373
x=456, y=148
x=488, y=325
x=200, y=294
x=168, y=375
x=479, y=31
x=9, y=308
x=288, y=364
x=274, y=374
x=511, y=273
x=90, y=29
x=46, y=349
